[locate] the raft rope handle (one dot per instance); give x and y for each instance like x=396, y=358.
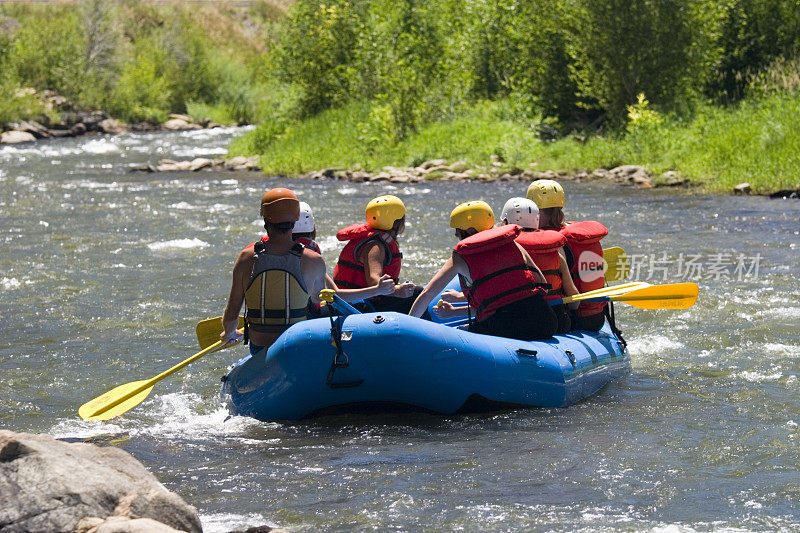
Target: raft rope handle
x=611, y=315
x=340, y=359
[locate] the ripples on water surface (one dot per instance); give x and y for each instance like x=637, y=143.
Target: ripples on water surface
x=104, y=274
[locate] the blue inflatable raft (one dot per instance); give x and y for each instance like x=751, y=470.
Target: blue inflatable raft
x=389, y=359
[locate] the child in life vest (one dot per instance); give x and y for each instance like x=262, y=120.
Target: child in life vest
x=304, y=232
x=545, y=248
x=499, y=279
x=372, y=251
x=584, y=253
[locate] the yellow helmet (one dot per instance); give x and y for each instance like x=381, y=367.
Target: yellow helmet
x=384, y=210
x=476, y=214
x=546, y=193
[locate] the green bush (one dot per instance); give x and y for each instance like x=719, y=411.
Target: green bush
x=316, y=51
x=50, y=54
x=755, y=33
x=143, y=90
x=663, y=48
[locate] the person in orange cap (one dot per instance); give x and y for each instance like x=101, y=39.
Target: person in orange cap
x=274, y=279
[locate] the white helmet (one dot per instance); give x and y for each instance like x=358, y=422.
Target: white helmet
x=519, y=211
x=305, y=224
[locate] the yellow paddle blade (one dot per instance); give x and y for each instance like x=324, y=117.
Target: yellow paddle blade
x=208, y=330
x=617, y=265
x=673, y=296
x=93, y=409
x=608, y=291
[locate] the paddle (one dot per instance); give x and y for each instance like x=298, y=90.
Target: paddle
x=125, y=397
x=617, y=265
x=329, y=297
x=671, y=296
x=208, y=330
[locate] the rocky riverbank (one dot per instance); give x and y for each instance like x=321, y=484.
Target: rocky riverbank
x=441, y=170
x=50, y=485
x=72, y=122
x=438, y=170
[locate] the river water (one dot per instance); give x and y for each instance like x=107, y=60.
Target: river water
x=104, y=274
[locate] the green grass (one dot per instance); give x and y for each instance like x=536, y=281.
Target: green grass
x=757, y=141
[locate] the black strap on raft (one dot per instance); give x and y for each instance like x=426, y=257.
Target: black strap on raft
x=340, y=359
x=609, y=311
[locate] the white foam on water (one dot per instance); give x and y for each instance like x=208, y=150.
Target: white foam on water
x=75, y=428
x=24, y=180
x=652, y=344
x=10, y=283
x=183, y=205
x=346, y=191
x=92, y=185
x=199, y=152
x=222, y=522
x=101, y=146
x=172, y=416
x=220, y=208
x=758, y=377
x=44, y=151
x=178, y=244
x=229, y=182
x=216, y=132
x=179, y=417
x=777, y=348
x=328, y=242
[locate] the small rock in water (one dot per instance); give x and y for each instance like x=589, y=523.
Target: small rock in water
x=111, y=126
x=742, y=188
x=673, y=178
x=15, y=137
x=179, y=124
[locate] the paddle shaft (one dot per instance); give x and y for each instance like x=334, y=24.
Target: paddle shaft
x=344, y=307
x=152, y=381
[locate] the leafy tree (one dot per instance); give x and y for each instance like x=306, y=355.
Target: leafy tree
x=316, y=50
x=754, y=33
x=665, y=49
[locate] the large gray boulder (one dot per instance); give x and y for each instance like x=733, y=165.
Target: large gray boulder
x=50, y=485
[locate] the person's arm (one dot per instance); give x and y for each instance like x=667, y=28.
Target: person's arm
x=447, y=310
x=385, y=286
x=537, y=274
x=566, y=278
x=566, y=282
x=313, y=268
x=453, y=295
x=372, y=257
x=436, y=285
x=241, y=275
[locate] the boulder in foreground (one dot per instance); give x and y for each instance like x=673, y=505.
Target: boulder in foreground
x=50, y=485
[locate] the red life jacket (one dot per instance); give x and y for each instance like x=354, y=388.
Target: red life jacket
x=583, y=240
x=543, y=248
x=349, y=271
x=498, y=271
x=308, y=243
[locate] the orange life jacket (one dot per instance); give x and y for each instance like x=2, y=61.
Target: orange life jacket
x=497, y=269
x=543, y=247
x=583, y=240
x=349, y=271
